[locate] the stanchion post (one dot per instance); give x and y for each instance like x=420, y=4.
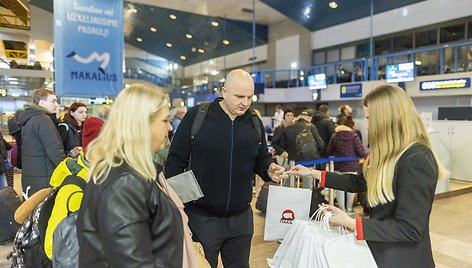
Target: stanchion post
x=292, y=178
x=331, y=191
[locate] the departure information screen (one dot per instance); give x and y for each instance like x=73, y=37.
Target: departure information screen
x=402, y=72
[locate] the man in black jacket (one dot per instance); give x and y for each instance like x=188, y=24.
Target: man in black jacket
x=225, y=155
x=324, y=125
x=42, y=146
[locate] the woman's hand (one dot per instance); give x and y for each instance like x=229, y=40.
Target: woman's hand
x=300, y=170
x=340, y=218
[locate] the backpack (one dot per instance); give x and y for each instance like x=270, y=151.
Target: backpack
x=305, y=143
x=65, y=241
x=29, y=243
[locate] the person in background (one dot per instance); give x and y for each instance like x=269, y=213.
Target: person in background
x=63, y=114
x=278, y=116
x=344, y=110
x=14, y=128
x=324, y=125
x=346, y=143
x=289, y=141
x=225, y=155
x=400, y=176
x=288, y=120
x=4, y=147
x=179, y=115
x=103, y=112
x=70, y=129
x=126, y=220
x=42, y=148
x=90, y=130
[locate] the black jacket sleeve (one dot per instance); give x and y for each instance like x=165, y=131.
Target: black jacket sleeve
x=264, y=159
x=416, y=182
x=123, y=221
x=346, y=182
x=277, y=140
x=319, y=140
x=179, y=151
x=49, y=137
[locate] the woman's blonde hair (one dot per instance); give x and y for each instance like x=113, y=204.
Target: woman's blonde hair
x=393, y=126
x=126, y=135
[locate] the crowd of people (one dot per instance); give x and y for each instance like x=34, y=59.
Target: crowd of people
x=129, y=218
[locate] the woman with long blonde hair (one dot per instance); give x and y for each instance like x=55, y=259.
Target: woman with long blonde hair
x=400, y=176
x=126, y=220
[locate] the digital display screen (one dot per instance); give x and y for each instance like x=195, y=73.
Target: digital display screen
x=402, y=72
x=190, y=102
x=316, y=81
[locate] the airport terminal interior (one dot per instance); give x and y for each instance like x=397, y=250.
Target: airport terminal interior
x=301, y=54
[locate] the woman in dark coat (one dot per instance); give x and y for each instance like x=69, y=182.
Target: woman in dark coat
x=126, y=220
x=400, y=176
x=70, y=129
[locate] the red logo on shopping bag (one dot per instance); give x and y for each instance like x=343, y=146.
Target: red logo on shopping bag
x=287, y=216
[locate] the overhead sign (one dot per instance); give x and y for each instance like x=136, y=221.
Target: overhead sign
x=445, y=84
x=402, y=72
x=88, y=52
x=351, y=90
x=316, y=81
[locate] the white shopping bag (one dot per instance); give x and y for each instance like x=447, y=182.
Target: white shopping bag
x=284, y=205
x=346, y=251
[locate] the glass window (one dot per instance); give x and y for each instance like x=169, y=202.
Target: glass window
x=319, y=58
x=403, y=42
x=383, y=46
x=333, y=55
x=452, y=33
x=426, y=38
x=470, y=30
x=348, y=53
x=362, y=50
x=427, y=63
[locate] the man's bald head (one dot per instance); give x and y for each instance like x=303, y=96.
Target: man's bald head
x=239, y=78
x=237, y=93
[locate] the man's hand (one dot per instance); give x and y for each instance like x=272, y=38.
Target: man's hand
x=284, y=155
x=275, y=171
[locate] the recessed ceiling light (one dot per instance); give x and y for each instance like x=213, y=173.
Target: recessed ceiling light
x=215, y=23
x=200, y=50
x=139, y=39
x=134, y=10
x=183, y=57
x=333, y=4
x=169, y=45
x=226, y=42
x=153, y=29
x=194, y=49
x=189, y=36
x=172, y=16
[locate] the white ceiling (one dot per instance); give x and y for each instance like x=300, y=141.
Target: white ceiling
x=230, y=9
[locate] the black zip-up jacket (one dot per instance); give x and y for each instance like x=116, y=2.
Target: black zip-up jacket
x=225, y=156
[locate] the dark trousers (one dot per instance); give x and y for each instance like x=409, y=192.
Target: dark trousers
x=229, y=235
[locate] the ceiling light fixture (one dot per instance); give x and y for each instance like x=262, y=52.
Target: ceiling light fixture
x=172, y=17
x=169, y=45
x=183, y=57
x=194, y=49
x=200, y=50
x=189, y=36
x=139, y=39
x=226, y=42
x=333, y=4
x=215, y=23
x=153, y=29
x=133, y=10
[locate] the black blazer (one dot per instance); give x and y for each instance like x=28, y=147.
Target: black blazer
x=398, y=232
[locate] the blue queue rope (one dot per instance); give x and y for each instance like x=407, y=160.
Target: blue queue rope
x=327, y=160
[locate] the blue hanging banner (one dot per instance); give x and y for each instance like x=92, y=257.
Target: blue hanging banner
x=88, y=47
x=350, y=90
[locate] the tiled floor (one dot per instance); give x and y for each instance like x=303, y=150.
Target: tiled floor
x=450, y=226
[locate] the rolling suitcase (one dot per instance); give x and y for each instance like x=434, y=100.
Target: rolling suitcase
x=9, y=202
